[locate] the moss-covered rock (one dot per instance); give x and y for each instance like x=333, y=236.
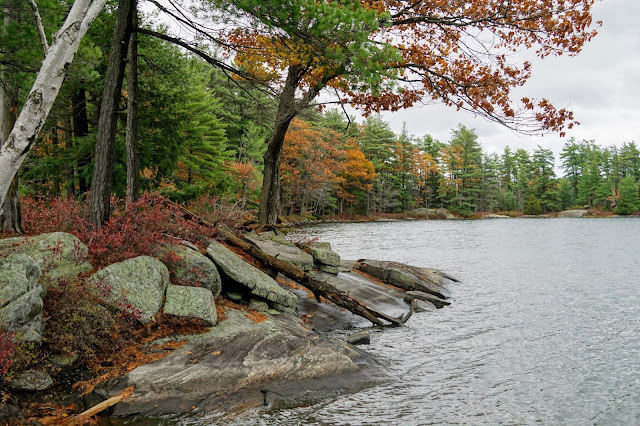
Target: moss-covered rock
x=191, y=302
x=325, y=259
x=58, y=254
x=191, y=268
x=136, y=286
x=256, y=281
x=21, y=297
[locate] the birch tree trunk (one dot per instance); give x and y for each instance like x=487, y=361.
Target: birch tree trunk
x=45, y=90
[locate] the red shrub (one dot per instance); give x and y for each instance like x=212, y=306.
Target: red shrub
x=128, y=233
x=7, y=348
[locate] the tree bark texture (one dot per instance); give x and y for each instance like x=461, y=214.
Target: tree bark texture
x=133, y=162
x=10, y=218
x=270, y=196
x=45, y=90
x=99, y=201
x=81, y=129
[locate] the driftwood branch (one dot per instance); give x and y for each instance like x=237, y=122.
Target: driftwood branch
x=85, y=415
x=319, y=288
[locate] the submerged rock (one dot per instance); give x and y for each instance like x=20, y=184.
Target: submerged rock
x=58, y=254
x=136, y=286
x=258, y=283
x=359, y=338
x=21, y=298
x=240, y=364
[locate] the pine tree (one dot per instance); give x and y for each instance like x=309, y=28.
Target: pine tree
x=628, y=200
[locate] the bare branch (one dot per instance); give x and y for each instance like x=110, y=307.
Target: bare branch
x=38, y=19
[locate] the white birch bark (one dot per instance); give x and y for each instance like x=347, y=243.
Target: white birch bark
x=45, y=89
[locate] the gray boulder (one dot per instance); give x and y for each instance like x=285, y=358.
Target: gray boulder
x=31, y=381
x=21, y=298
x=256, y=281
x=434, y=213
x=359, y=338
x=573, y=213
x=192, y=268
x=495, y=216
x=406, y=277
x=191, y=302
x=240, y=365
x=277, y=246
x=325, y=259
x=137, y=284
x=58, y=254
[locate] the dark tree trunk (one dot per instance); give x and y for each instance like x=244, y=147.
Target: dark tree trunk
x=270, y=196
x=10, y=218
x=69, y=174
x=99, y=201
x=80, y=129
x=133, y=163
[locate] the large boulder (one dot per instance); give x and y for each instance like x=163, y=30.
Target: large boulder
x=406, y=277
x=189, y=267
x=191, y=302
x=325, y=259
x=58, y=254
x=257, y=282
x=136, y=286
x=434, y=213
x=573, y=213
x=241, y=364
x=276, y=245
x=21, y=298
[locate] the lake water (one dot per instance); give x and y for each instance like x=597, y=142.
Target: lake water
x=544, y=327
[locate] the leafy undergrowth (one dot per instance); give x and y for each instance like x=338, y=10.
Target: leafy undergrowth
x=132, y=231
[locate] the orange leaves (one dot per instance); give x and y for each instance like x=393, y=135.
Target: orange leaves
x=315, y=163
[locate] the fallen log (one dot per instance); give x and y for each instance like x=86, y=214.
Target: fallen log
x=317, y=287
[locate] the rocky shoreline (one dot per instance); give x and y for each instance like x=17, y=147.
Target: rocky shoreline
x=266, y=345
x=444, y=214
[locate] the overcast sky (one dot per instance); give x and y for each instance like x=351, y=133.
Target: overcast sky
x=601, y=86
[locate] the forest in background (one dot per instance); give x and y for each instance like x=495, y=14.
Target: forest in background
x=203, y=135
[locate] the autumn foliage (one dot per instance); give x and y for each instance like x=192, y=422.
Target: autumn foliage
x=317, y=165
x=406, y=52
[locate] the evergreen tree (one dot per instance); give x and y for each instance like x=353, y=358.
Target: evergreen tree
x=543, y=182
x=628, y=200
x=532, y=205
x=589, y=183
